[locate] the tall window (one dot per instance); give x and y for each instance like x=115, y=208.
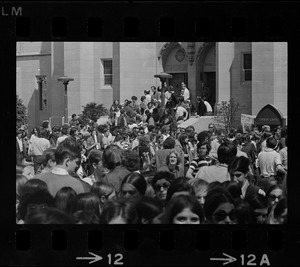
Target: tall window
x=247, y=67
x=107, y=71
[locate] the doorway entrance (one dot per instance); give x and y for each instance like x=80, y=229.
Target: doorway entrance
x=176, y=81
x=210, y=80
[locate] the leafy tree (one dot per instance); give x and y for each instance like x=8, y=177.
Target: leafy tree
x=226, y=111
x=22, y=117
x=93, y=112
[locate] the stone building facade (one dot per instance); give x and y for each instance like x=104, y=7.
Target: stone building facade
x=253, y=73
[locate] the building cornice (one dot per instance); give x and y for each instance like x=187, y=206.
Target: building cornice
x=33, y=54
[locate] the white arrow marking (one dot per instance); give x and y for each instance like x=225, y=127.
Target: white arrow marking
x=229, y=259
x=94, y=259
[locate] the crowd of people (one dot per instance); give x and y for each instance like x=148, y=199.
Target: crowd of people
x=143, y=168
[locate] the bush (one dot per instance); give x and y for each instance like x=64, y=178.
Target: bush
x=93, y=112
x=22, y=117
x=225, y=113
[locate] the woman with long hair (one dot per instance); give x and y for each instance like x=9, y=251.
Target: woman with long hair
x=183, y=209
x=64, y=199
x=104, y=191
x=133, y=185
x=172, y=164
x=219, y=207
x=119, y=211
x=88, y=202
x=113, y=160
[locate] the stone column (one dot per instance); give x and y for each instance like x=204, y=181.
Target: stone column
x=224, y=58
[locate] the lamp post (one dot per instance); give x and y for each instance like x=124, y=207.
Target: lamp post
x=40, y=79
x=65, y=81
x=163, y=76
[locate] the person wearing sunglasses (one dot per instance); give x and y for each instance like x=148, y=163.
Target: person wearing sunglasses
x=274, y=195
x=219, y=207
x=161, y=183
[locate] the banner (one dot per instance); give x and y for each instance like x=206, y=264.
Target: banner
x=247, y=121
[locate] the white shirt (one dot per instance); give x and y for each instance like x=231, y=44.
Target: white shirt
x=60, y=139
x=208, y=106
x=264, y=145
x=214, y=173
x=181, y=111
x=241, y=153
x=214, y=148
x=186, y=94
x=268, y=161
x=167, y=95
x=96, y=141
x=165, y=136
x=59, y=171
x=39, y=145
x=148, y=99
x=90, y=179
x=134, y=143
x=284, y=157
x=131, y=126
x=20, y=142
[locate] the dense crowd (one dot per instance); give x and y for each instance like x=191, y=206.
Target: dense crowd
x=143, y=168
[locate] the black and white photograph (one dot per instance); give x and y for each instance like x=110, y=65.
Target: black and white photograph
x=151, y=132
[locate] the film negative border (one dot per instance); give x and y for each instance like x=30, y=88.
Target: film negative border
x=166, y=245
x=205, y=245
x=145, y=21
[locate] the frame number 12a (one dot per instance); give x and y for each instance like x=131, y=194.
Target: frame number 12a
x=251, y=260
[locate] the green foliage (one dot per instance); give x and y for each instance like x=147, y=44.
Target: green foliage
x=22, y=117
x=93, y=112
x=225, y=113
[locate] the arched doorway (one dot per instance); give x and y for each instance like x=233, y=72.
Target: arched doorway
x=175, y=62
x=206, y=66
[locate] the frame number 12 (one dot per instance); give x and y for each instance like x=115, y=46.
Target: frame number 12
x=115, y=259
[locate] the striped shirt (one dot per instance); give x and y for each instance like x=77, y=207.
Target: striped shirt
x=197, y=163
